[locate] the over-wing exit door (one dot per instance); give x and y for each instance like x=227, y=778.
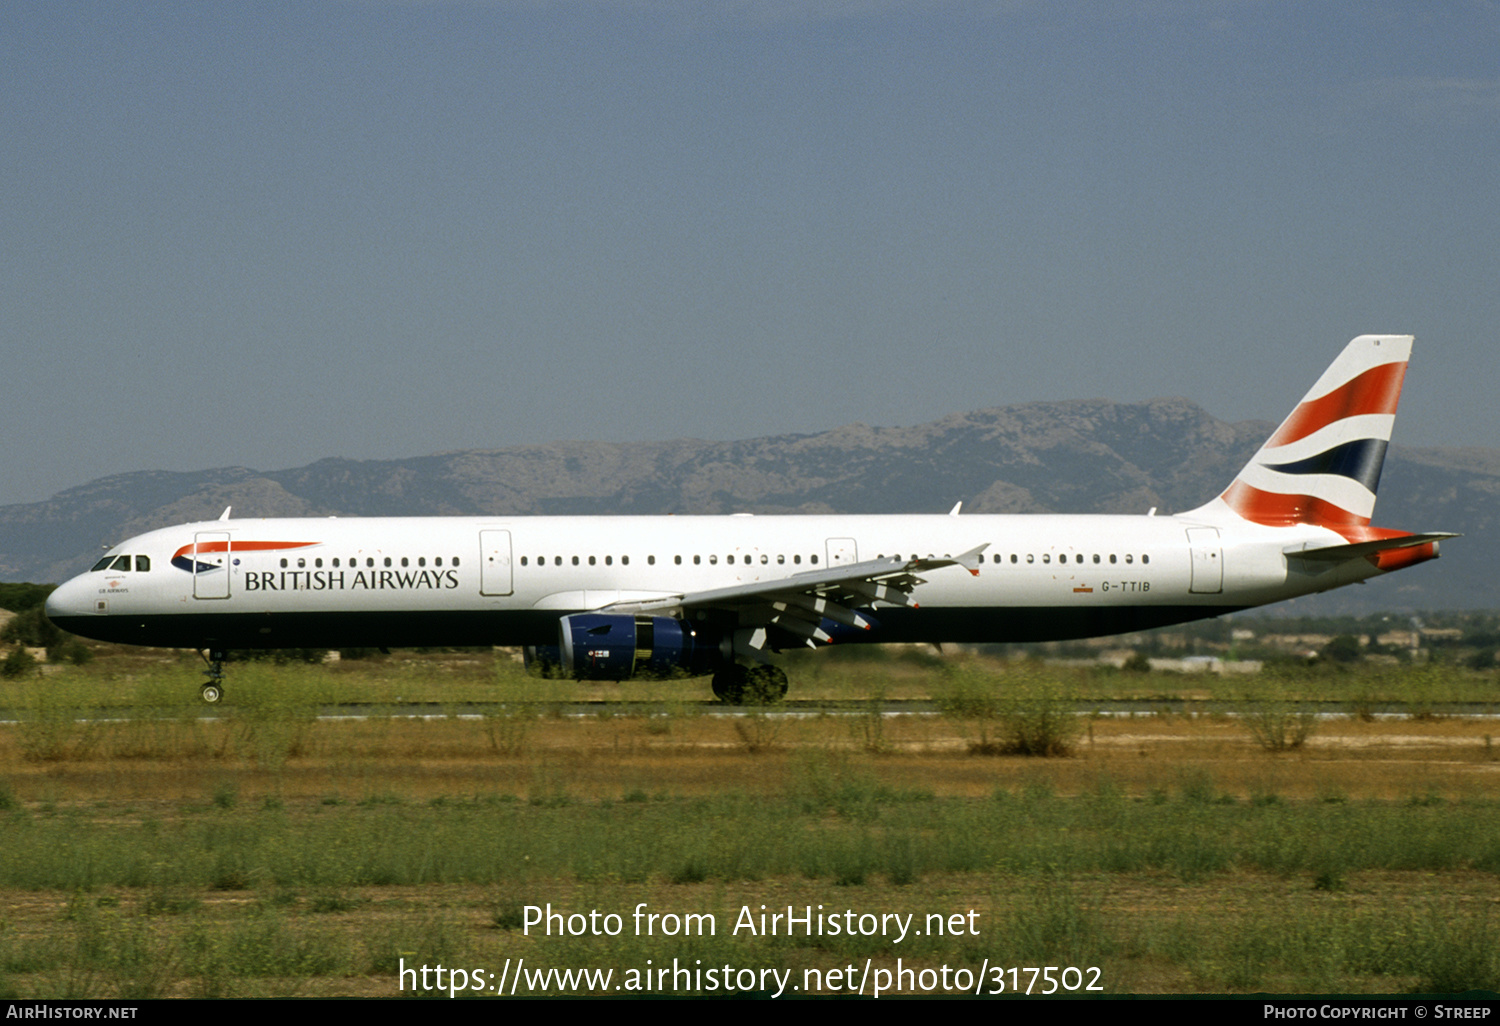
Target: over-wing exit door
x=842, y=550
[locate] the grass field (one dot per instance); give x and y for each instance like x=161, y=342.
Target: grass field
x=266, y=852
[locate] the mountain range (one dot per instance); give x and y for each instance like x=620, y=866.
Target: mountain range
x=1080, y=456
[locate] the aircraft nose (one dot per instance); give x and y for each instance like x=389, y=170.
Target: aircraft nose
x=70, y=604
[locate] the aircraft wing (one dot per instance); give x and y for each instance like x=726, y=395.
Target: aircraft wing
x=814, y=605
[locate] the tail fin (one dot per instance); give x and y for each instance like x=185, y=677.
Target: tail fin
x=1323, y=464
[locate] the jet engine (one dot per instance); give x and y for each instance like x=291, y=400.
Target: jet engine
x=600, y=646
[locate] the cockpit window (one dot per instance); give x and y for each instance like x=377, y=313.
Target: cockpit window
x=142, y=564
x=102, y=563
x=122, y=563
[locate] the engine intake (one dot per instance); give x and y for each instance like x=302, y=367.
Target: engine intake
x=600, y=646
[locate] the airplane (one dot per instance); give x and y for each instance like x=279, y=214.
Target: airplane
x=612, y=598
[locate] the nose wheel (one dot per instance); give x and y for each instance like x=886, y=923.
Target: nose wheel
x=213, y=689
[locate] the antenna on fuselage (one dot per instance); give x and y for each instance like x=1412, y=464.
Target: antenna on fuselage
x=225, y=515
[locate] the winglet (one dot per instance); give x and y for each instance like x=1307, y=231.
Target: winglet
x=970, y=560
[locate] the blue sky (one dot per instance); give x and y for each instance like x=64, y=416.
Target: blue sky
x=265, y=233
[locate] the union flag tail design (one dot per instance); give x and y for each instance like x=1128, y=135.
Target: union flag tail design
x=1322, y=465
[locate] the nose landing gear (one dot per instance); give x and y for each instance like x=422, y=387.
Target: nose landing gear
x=213, y=688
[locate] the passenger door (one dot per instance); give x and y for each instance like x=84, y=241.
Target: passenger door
x=494, y=563
x=1208, y=562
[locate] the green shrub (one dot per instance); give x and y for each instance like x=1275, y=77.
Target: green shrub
x=1275, y=720
x=20, y=663
x=31, y=627
x=1038, y=719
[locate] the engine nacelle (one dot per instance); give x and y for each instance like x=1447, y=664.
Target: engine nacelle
x=599, y=646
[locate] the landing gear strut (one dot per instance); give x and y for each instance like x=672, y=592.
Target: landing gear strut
x=760, y=684
x=213, y=688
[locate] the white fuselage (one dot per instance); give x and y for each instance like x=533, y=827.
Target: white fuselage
x=507, y=580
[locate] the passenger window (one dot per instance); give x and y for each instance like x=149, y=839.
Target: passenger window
x=591, y=561
x=697, y=560
x=556, y=561
x=438, y=561
x=523, y=560
x=575, y=560
x=301, y=564
x=713, y=560
x=421, y=561
x=1096, y=557
x=405, y=561
x=387, y=560
x=1030, y=558
x=813, y=558
x=142, y=564
x=283, y=563
x=780, y=560
x=625, y=560
x=1046, y=557
x=369, y=561
x=455, y=561
x=1112, y=557
x=609, y=560
x=1145, y=558
x=797, y=558
x=1129, y=558
x=318, y=562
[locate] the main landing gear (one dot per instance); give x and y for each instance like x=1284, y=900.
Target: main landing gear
x=761, y=684
x=213, y=688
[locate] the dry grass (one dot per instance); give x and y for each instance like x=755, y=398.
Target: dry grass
x=706, y=754
x=1191, y=806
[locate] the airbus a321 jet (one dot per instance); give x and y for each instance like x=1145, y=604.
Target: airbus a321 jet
x=611, y=598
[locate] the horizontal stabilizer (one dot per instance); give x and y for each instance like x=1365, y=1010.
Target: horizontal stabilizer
x=1340, y=553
